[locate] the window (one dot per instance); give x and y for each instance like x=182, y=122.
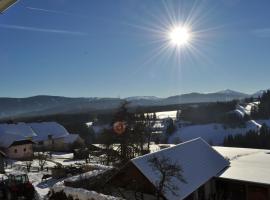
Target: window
x=15, y=150
x=24, y=149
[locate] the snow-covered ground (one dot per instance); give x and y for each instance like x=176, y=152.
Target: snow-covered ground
x=166, y=114
x=246, y=109
x=82, y=194
x=212, y=133
x=35, y=177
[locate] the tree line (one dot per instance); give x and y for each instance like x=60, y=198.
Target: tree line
x=210, y=113
x=262, y=111
x=252, y=139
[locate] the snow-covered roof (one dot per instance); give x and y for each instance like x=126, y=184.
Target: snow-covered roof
x=14, y=132
x=166, y=114
x=250, y=165
x=44, y=129
x=199, y=162
x=21, y=129
x=36, y=131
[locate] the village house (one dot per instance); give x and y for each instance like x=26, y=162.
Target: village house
x=44, y=135
x=21, y=150
x=211, y=173
x=53, y=136
x=200, y=164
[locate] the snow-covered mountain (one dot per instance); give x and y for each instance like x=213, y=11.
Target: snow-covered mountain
x=259, y=93
x=136, y=98
x=48, y=105
x=232, y=93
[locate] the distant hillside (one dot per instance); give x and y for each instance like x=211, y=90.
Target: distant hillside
x=49, y=105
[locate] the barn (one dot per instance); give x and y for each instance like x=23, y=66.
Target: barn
x=200, y=164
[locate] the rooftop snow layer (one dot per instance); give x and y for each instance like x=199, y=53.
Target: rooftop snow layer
x=44, y=129
x=199, y=161
x=21, y=129
x=36, y=131
x=251, y=165
x=14, y=132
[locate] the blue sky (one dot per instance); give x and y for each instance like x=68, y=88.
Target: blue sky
x=111, y=48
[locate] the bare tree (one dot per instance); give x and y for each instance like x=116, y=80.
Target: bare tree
x=28, y=164
x=167, y=170
x=42, y=158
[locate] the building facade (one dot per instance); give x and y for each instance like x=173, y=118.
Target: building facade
x=20, y=150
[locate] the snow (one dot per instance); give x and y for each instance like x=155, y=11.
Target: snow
x=85, y=175
x=14, y=132
x=212, y=133
x=44, y=129
x=20, y=129
x=264, y=121
x=166, y=114
x=36, y=131
x=238, y=112
x=89, y=124
x=199, y=161
x=43, y=186
x=251, y=165
x=82, y=194
x=35, y=178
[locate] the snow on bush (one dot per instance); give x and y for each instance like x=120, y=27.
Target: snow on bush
x=86, y=175
x=82, y=194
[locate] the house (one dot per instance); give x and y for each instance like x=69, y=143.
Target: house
x=46, y=135
x=247, y=177
x=15, y=132
x=200, y=164
x=20, y=150
x=53, y=136
x=215, y=173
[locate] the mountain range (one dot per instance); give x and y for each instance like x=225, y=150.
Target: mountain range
x=49, y=105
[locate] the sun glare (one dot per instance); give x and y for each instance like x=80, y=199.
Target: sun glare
x=179, y=36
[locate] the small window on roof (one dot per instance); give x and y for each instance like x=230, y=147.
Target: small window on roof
x=15, y=150
x=24, y=149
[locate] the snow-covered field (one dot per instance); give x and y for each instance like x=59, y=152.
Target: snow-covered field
x=35, y=176
x=42, y=187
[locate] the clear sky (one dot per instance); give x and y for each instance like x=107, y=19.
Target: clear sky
x=111, y=48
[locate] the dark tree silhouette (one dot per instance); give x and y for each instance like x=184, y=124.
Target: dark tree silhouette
x=167, y=170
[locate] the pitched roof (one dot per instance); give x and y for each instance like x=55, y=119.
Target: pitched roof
x=21, y=142
x=199, y=161
x=250, y=165
x=44, y=129
x=13, y=132
x=35, y=131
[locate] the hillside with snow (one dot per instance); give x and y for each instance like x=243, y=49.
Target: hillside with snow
x=43, y=105
x=212, y=133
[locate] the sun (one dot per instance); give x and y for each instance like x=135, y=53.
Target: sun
x=179, y=36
